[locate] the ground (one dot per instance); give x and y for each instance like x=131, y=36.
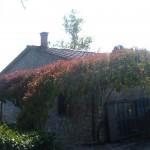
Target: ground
x=125, y=145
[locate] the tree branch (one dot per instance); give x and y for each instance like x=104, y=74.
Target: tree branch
x=22, y=3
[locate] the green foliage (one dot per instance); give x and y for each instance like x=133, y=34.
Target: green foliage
x=36, y=108
x=77, y=79
x=84, y=43
x=14, y=140
x=72, y=24
x=60, y=44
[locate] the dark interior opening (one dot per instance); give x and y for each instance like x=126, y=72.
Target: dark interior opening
x=61, y=105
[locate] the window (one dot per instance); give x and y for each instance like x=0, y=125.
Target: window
x=61, y=105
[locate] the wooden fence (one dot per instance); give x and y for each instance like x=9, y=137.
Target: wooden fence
x=128, y=118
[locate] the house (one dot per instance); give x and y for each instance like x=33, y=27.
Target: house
x=38, y=56
x=84, y=125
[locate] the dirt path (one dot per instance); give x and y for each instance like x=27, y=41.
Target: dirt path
x=134, y=145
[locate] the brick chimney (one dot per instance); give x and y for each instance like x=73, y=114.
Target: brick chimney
x=44, y=36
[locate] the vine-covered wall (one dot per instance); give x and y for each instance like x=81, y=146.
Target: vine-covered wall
x=86, y=83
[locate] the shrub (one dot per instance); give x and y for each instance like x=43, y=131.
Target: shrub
x=13, y=140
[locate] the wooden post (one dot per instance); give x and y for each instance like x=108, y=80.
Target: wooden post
x=93, y=116
x=1, y=111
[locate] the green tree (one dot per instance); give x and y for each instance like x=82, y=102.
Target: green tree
x=72, y=25
x=60, y=44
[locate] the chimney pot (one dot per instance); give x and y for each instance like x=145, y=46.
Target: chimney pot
x=44, y=39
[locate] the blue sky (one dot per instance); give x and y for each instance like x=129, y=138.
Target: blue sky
x=109, y=22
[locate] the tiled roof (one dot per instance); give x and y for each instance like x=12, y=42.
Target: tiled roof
x=69, y=54
x=36, y=56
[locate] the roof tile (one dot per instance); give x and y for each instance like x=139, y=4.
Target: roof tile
x=68, y=53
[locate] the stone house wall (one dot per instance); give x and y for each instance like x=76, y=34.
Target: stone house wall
x=76, y=126
x=10, y=112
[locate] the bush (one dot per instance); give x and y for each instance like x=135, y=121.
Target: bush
x=13, y=140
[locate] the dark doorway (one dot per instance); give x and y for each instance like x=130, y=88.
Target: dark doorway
x=61, y=105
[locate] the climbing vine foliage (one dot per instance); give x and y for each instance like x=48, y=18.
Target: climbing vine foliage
x=96, y=76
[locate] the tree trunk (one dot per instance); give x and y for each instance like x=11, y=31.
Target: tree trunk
x=93, y=117
x=102, y=127
x=1, y=111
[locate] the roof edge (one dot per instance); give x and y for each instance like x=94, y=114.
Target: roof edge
x=22, y=54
